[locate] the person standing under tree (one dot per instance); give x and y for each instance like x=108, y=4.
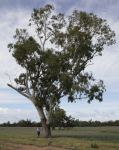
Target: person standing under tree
x=38, y=131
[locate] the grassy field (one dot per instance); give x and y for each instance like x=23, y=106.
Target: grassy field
x=83, y=138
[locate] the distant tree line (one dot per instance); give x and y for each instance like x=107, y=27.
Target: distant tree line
x=21, y=123
x=91, y=123
x=68, y=122
x=61, y=120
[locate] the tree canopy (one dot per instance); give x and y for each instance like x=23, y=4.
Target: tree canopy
x=55, y=51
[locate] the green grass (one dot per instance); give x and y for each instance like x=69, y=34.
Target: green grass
x=82, y=138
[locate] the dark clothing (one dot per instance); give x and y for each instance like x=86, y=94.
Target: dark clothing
x=38, y=132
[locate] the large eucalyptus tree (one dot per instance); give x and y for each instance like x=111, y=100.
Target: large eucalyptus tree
x=54, y=52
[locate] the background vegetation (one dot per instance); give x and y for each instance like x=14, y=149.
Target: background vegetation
x=71, y=122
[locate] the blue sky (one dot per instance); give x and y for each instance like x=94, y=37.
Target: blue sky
x=15, y=14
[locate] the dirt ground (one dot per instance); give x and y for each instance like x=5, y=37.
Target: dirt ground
x=13, y=146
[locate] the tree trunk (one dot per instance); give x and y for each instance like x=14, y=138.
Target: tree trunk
x=45, y=122
x=46, y=128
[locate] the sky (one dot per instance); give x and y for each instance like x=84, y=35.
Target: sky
x=15, y=14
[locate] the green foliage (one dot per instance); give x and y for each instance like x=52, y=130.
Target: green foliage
x=58, y=118
x=56, y=58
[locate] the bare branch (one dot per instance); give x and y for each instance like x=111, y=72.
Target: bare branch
x=18, y=91
x=27, y=88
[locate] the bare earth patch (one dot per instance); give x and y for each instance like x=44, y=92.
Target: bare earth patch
x=13, y=146
x=31, y=147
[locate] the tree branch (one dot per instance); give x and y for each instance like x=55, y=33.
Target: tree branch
x=18, y=91
x=27, y=87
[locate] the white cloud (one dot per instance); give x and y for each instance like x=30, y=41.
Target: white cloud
x=10, y=20
x=13, y=115
x=96, y=111
x=9, y=97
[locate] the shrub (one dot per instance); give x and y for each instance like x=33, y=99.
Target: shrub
x=94, y=146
